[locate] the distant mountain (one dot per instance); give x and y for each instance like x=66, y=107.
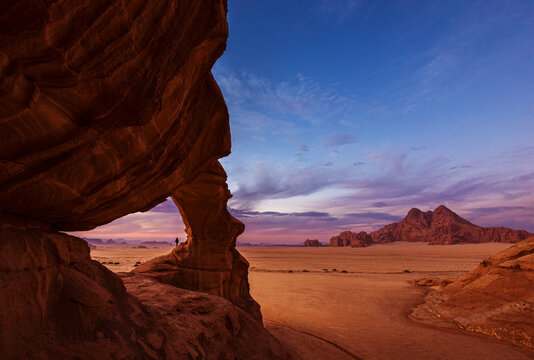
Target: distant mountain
x=440, y=227
x=96, y=241
x=157, y=243
x=244, y=244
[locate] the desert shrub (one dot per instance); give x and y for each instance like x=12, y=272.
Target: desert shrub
x=305, y=270
x=407, y=271
x=344, y=271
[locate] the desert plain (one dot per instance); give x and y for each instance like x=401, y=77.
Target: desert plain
x=352, y=303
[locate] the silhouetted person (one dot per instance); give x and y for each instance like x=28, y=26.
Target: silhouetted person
x=177, y=241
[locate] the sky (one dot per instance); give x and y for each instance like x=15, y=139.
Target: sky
x=347, y=113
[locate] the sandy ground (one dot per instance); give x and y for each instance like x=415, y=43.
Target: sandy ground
x=360, y=310
x=126, y=255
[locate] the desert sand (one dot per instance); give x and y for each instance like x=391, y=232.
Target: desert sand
x=363, y=312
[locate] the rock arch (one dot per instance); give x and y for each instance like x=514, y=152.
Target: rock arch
x=107, y=108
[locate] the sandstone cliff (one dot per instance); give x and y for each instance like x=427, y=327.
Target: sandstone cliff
x=108, y=108
x=440, y=227
x=443, y=226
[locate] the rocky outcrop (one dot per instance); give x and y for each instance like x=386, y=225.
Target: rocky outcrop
x=207, y=261
x=496, y=298
x=443, y=226
x=202, y=326
x=439, y=227
x=58, y=303
x=108, y=108
x=348, y=238
x=312, y=243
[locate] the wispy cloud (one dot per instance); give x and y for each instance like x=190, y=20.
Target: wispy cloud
x=270, y=181
x=300, y=97
x=334, y=140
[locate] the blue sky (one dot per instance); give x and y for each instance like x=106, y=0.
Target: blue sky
x=345, y=114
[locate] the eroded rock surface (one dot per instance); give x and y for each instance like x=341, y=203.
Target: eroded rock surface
x=202, y=326
x=108, y=108
x=496, y=298
x=58, y=303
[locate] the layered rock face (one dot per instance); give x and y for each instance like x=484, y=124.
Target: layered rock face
x=52, y=291
x=348, y=238
x=443, y=226
x=312, y=243
x=496, y=298
x=108, y=108
x=439, y=227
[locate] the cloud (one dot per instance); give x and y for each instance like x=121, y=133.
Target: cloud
x=303, y=148
x=269, y=181
x=372, y=216
x=279, y=227
x=334, y=140
x=296, y=98
x=418, y=148
x=358, y=163
x=515, y=217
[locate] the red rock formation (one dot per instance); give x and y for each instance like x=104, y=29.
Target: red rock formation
x=207, y=261
x=58, y=303
x=312, y=243
x=347, y=238
x=496, y=298
x=443, y=226
x=108, y=108
x=202, y=326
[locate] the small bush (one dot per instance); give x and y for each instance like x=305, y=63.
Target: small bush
x=290, y=271
x=334, y=269
x=305, y=270
x=117, y=263
x=344, y=271
x=407, y=271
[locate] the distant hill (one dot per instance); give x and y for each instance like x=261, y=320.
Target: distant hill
x=157, y=243
x=312, y=243
x=96, y=241
x=439, y=227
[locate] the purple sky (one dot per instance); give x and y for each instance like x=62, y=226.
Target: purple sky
x=345, y=114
